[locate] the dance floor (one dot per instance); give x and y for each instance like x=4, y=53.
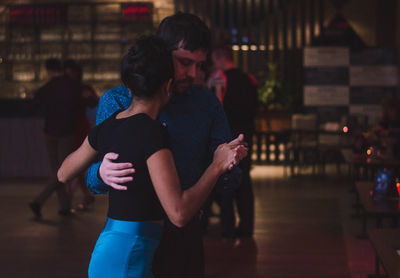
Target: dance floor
x=303, y=229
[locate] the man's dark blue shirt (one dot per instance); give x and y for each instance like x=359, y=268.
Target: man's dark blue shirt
x=197, y=125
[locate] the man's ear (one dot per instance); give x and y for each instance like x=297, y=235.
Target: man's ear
x=168, y=86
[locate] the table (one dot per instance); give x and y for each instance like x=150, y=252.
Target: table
x=376, y=208
x=23, y=151
x=370, y=165
x=386, y=242
x=316, y=146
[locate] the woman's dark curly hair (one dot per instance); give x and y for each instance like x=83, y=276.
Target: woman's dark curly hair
x=146, y=66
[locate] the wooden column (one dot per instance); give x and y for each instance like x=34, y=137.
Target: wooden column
x=312, y=20
x=267, y=28
x=222, y=8
x=294, y=64
x=239, y=27
x=258, y=9
x=186, y=6
x=275, y=29
x=284, y=14
x=303, y=22
x=321, y=16
x=177, y=5
x=213, y=19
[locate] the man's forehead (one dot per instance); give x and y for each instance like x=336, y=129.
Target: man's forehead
x=197, y=55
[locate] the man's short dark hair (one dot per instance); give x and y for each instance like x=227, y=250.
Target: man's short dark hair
x=74, y=67
x=223, y=52
x=53, y=65
x=147, y=66
x=184, y=30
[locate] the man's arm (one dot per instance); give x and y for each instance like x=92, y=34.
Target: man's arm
x=109, y=103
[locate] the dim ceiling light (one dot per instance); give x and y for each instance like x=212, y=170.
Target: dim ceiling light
x=253, y=47
x=1, y=60
x=245, y=47
x=235, y=47
x=262, y=47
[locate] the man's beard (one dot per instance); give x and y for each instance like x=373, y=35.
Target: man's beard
x=180, y=86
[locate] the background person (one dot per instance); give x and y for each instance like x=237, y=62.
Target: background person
x=59, y=100
x=239, y=98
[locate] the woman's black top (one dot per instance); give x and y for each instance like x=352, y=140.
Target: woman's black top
x=135, y=139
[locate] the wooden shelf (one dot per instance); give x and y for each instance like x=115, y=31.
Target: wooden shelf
x=87, y=27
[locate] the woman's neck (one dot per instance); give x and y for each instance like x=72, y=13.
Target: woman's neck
x=150, y=107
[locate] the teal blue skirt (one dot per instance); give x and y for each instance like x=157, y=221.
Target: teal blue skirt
x=125, y=249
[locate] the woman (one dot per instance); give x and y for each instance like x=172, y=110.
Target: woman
x=132, y=232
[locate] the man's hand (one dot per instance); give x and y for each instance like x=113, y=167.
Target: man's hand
x=114, y=174
x=240, y=146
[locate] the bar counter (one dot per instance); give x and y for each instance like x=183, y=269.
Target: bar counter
x=22, y=147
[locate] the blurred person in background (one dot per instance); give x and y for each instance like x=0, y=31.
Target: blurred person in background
x=59, y=100
x=238, y=93
x=88, y=99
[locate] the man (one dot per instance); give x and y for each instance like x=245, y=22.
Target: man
x=239, y=98
x=59, y=99
x=197, y=125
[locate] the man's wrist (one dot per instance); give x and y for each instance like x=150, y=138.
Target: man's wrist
x=98, y=173
x=94, y=183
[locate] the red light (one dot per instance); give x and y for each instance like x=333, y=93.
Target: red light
x=398, y=187
x=345, y=129
x=136, y=10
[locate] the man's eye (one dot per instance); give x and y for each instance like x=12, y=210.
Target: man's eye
x=185, y=62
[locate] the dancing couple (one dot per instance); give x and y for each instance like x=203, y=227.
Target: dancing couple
x=162, y=146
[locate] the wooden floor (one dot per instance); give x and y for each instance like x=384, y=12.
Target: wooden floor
x=303, y=229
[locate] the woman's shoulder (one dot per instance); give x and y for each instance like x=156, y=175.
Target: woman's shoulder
x=145, y=124
x=156, y=125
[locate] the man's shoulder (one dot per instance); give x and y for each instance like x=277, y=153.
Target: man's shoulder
x=119, y=92
x=117, y=98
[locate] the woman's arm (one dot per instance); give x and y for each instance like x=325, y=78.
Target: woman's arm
x=180, y=205
x=77, y=162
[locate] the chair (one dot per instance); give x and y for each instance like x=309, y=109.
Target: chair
x=303, y=148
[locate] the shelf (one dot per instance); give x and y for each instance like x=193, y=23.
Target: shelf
x=69, y=41
x=96, y=59
x=87, y=30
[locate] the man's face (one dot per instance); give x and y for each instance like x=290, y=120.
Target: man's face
x=186, y=64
